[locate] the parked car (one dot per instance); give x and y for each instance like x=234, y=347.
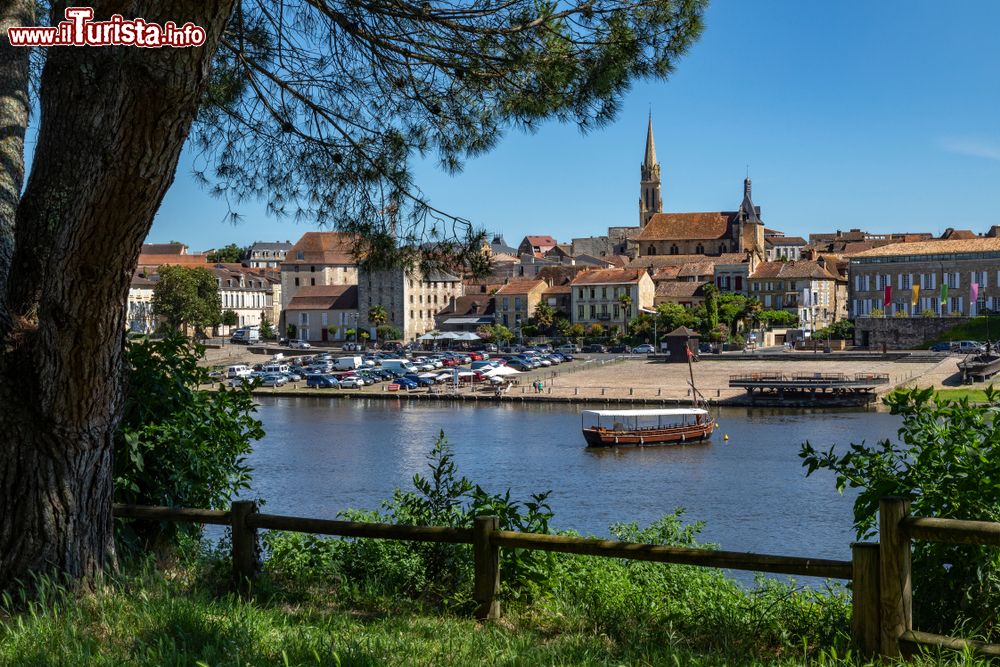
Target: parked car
x=351, y=382
x=405, y=383
x=299, y=345
x=421, y=382
x=519, y=365
x=618, y=349
x=594, y=348
x=322, y=382
x=273, y=380
x=645, y=348
x=941, y=347
x=569, y=348
x=967, y=347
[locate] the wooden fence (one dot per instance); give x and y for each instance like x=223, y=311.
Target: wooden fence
x=881, y=622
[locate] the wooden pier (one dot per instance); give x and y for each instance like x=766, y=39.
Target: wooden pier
x=809, y=388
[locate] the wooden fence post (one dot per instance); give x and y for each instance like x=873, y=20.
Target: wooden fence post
x=894, y=574
x=487, y=568
x=245, y=556
x=865, y=601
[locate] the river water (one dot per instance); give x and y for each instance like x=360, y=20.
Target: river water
x=321, y=456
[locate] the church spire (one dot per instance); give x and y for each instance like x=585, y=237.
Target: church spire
x=650, y=198
x=650, y=158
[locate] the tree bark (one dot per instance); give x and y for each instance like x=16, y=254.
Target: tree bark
x=113, y=121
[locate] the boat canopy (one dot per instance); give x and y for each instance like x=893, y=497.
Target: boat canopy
x=667, y=412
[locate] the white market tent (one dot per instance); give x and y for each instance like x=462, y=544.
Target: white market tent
x=501, y=371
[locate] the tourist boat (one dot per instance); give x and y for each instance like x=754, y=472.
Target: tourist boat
x=613, y=428
x=980, y=366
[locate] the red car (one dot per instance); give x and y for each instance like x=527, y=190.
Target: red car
x=476, y=356
x=448, y=362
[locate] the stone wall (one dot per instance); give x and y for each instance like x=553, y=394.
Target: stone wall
x=901, y=333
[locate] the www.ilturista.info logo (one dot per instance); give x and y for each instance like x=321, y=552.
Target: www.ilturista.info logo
x=80, y=30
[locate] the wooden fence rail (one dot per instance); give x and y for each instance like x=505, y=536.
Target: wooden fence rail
x=880, y=578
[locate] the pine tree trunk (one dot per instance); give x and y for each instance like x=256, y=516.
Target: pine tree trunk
x=113, y=122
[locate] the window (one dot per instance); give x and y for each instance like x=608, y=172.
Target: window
x=299, y=255
x=674, y=250
x=296, y=282
x=592, y=293
x=722, y=249
x=651, y=250
x=739, y=283
x=616, y=313
x=581, y=292
x=505, y=303
x=604, y=292
x=312, y=269
x=517, y=303
x=604, y=309
x=325, y=317
x=579, y=311
x=700, y=250
x=312, y=281
x=593, y=312
x=303, y=318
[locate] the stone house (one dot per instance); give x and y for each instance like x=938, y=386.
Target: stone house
x=323, y=313
x=317, y=259
x=806, y=288
x=595, y=295
x=516, y=301
x=411, y=298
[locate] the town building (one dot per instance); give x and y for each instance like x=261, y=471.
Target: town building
x=806, y=288
x=320, y=313
x=317, y=259
x=939, y=277
x=154, y=255
x=536, y=245
x=557, y=297
x=687, y=294
x=466, y=313
x=139, y=317
x=251, y=294
x=596, y=295
x=267, y=255
x=515, y=302
x=411, y=298
x=779, y=247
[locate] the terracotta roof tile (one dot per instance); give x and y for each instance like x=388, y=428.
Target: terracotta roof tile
x=608, y=277
x=147, y=261
x=680, y=290
x=325, y=297
x=666, y=273
x=558, y=289
x=978, y=244
x=322, y=248
x=520, y=286
x=163, y=249
x=792, y=270
x=686, y=226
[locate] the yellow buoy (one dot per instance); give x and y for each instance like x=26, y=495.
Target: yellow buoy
x=725, y=437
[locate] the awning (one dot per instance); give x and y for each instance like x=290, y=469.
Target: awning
x=469, y=320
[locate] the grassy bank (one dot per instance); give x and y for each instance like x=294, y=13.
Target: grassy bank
x=975, y=329
x=973, y=395
x=168, y=619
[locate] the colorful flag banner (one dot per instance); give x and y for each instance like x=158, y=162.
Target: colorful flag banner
x=888, y=295
x=944, y=294
x=973, y=294
x=915, y=299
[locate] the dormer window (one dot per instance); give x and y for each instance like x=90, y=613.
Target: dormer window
x=300, y=255
x=674, y=250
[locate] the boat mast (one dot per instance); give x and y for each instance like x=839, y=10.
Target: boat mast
x=694, y=390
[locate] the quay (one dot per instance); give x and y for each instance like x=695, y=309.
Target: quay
x=814, y=388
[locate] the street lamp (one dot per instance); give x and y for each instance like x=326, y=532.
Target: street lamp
x=520, y=333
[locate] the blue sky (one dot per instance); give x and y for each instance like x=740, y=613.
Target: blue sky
x=881, y=115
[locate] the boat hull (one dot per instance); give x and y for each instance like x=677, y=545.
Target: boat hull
x=671, y=435
x=979, y=368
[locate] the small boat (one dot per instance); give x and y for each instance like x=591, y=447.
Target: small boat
x=980, y=366
x=674, y=426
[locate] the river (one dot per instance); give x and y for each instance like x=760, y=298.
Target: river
x=321, y=456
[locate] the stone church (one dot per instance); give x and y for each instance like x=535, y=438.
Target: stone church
x=709, y=233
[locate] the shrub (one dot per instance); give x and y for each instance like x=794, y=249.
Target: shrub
x=877, y=312
x=928, y=312
x=948, y=461
x=900, y=313
x=178, y=445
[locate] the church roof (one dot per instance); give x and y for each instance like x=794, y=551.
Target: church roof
x=686, y=226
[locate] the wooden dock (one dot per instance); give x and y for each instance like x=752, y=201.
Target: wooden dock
x=809, y=388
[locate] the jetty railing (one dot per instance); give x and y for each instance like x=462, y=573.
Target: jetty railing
x=881, y=622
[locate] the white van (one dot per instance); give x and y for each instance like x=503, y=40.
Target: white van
x=348, y=363
x=275, y=368
x=246, y=335
x=399, y=365
x=569, y=348
x=238, y=371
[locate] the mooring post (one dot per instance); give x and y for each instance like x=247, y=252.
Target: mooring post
x=486, y=585
x=865, y=601
x=895, y=586
x=245, y=550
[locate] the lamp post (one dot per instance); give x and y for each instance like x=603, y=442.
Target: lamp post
x=520, y=334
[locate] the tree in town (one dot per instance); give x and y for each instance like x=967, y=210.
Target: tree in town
x=669, y=316
x=711, y=323
x=595, y=330
x=267, y=331
x=839, y=330
x=576, y=332
x=562, y=326
x=317, y=108
x=230, y=254
x=291, y=331
x=229, y=318
x=626, y=303
x=543, y=318
x=378, y=316
x=387, y=332
x=778, y=318
x=187, y=296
